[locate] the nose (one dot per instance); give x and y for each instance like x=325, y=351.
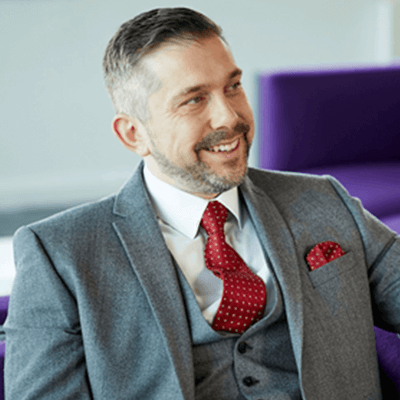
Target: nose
x=222, y=114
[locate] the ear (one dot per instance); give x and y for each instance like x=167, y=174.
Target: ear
x=131, y=133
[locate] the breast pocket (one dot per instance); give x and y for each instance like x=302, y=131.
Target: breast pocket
x=332, y=270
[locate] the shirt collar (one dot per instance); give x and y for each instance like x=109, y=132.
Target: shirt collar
x=181, y=210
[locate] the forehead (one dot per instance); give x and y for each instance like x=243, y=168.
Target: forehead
x=208, y=62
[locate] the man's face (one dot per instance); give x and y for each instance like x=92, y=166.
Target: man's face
x=201, y=124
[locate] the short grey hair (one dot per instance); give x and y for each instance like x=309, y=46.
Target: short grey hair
x=129, y=82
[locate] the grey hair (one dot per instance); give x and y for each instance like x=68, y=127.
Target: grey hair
x=128, y=80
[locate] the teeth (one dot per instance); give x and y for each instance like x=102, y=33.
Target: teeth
x=224, y=147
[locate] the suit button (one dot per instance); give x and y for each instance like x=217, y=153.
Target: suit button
x=250, y=381
x=242, y=347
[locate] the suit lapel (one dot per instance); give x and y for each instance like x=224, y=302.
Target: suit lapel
x=144, y=244
x=278, y=244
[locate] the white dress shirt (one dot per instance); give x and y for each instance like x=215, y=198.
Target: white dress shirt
x=179, y=214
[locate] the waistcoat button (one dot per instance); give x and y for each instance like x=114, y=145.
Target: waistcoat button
x=242, y=347
x=250, y=381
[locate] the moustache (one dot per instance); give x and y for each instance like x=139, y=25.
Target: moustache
x=215, y=137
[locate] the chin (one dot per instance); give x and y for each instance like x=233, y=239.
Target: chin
x=222, y=182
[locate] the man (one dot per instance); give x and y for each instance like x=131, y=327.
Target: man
x=126, y=298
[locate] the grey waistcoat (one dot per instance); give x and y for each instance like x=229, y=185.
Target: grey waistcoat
x=259, y=364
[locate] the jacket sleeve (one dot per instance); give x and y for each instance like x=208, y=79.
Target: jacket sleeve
x=382, y=253
x=44, y=349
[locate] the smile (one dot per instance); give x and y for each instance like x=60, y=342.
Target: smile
x=224, y=148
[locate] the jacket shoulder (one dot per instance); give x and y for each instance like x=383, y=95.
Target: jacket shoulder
x=286, y=188
x=274, y=181
x=82, y=218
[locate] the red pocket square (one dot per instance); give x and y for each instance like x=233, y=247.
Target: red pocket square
x=323, y=253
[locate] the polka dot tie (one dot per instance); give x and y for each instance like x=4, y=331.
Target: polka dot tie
x=244, y=293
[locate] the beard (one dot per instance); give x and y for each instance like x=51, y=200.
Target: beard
x=196, y=176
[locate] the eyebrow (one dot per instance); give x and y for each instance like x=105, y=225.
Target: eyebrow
x=194, y=89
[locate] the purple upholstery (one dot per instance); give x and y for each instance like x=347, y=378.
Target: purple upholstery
x=388, y=350
x=376, y=184
x=3, y=308
x=345, y=123
x=3, y=314
x=2, y=352
x=318, y=118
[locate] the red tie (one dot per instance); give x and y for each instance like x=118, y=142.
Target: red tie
x=244, y=293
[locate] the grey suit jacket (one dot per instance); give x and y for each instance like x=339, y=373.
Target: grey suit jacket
x=96, y=309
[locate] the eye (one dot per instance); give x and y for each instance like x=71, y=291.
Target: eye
x=194, y=100
x=234, y=87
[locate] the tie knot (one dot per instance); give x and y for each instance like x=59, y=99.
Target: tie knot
x=214, y=217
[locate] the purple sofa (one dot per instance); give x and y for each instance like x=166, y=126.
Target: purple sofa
x=345, y=123
x=3, y=314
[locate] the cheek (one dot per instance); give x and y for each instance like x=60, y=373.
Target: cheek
x=178, y=134
x=246, y=109
x=192, y=131
x=183, y=142
x=250, y=136
x=247, y=114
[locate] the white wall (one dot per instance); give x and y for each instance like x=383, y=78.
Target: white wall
x=396, y=29
x=56, y=144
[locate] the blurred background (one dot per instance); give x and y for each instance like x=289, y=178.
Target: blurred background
x=56, y=144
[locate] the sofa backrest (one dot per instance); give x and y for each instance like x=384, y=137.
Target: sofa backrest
x=312, y=118
x=4, y=300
